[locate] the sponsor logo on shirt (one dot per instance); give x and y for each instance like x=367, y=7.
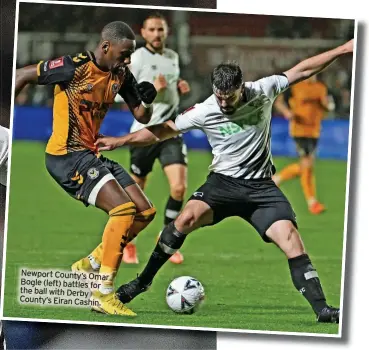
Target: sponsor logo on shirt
x=59, y=62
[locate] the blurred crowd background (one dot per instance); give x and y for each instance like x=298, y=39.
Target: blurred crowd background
x=262, y=45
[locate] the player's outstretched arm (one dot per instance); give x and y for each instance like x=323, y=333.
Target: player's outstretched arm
x=24, y=76
x=144, y=137
x=316, y=64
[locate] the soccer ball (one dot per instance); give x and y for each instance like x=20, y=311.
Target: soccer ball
x=185, y=294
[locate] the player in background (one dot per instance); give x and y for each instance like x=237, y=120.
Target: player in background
x=308, y=103
x=159, y=65
x=237, y=122
x=85, y=87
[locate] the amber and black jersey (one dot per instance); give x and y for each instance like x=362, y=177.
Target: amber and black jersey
x=305, y=102
x=83, y=94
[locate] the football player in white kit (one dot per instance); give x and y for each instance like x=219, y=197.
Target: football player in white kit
x=237, y=120
x=159, y=65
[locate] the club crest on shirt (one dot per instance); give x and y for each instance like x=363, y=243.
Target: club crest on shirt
x=92, y=173
x=115, y=88
x=88, y=88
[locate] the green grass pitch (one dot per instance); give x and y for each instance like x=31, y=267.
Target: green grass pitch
x=247, y=281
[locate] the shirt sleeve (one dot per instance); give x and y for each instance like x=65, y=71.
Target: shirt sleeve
x=274, y=85
x=57, y=71
x=128, y=90
x=192, y=118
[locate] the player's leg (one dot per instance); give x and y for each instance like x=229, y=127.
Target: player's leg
x=210, y=204
x=110, y=197
x=140, y=181
x=142, y=160
x=287, y=173
x=177, y=180
x=130, y=251
x=145, y=212
x=85, y=177
x=275, y=221
x=194, y=215
x=304, y=276
x=173, y=158
x=306, y=148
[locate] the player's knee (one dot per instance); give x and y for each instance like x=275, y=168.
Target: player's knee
x=149, y=214
x=292, y=245
x=285, y=235
x=186, y=220
x=126, y=209
x=178, y=190
x=307, y=162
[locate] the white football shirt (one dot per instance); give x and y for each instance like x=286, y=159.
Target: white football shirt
x=240, y=142
x=146, y=65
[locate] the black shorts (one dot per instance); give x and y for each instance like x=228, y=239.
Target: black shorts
x=82, y=174
x=260, y=202
x=171, y=151
x=306, y=145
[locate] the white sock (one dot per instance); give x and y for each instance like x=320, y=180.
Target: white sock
x=94, y=263
x=311, y=201
x=105, y=289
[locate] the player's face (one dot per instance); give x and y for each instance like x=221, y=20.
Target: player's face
x=228, y=102
x=155, y=32
x=119, y=54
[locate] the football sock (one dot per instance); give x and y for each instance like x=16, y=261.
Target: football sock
x=141, y=220
x=172, y=209
x=96, y=256
x=289, y=172
x=115, y=238
x=169, y=242
x=308, y=184
x=306, y=281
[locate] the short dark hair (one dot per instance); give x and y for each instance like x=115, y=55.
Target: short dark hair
x=117, y=31
x=155, y=14
x=227, y=76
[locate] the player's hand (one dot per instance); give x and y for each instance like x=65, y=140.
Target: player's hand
x=183, y=87
x=147, y=92
x=107, y=143
x=300, y=120
x=289, y=115
x=160, y=83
